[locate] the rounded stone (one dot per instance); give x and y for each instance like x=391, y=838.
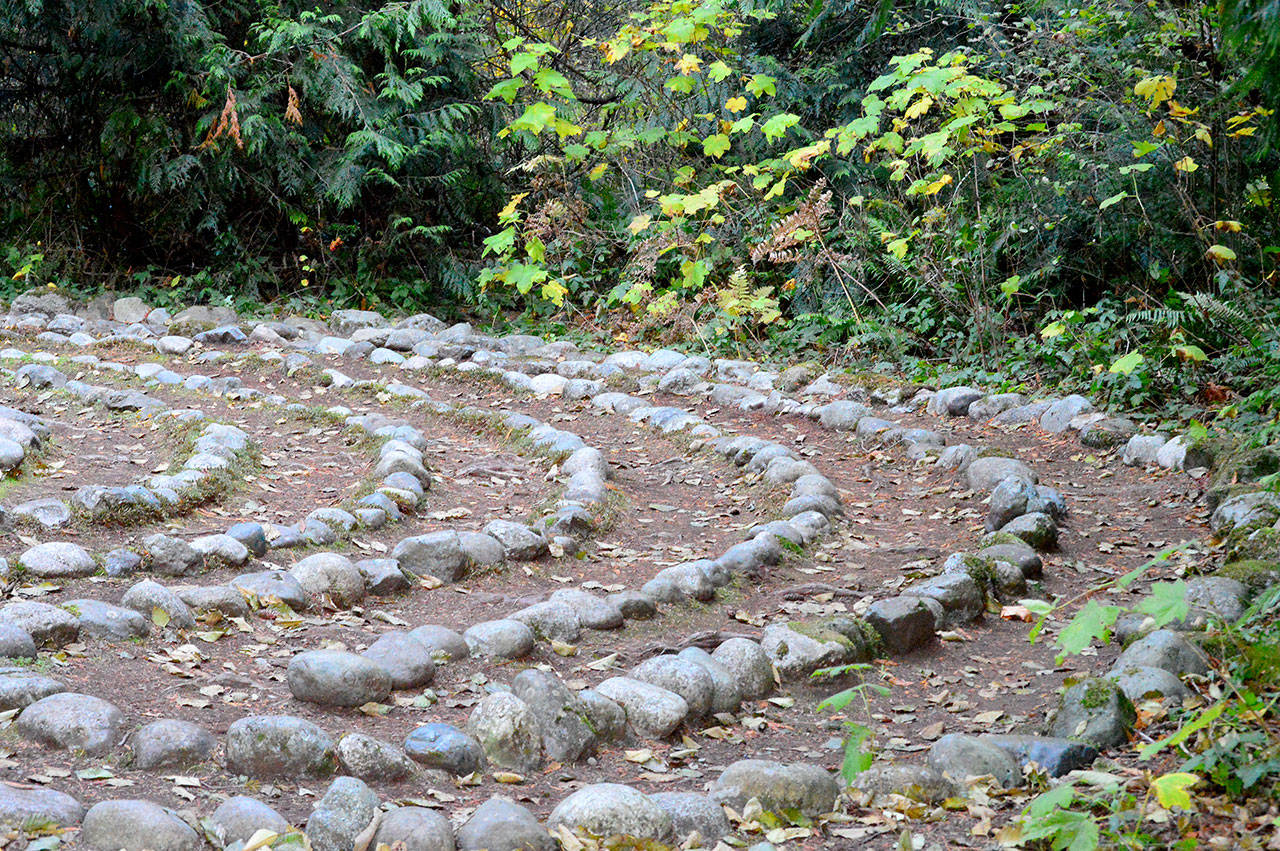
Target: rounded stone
x=73, y=722
x=692, y=813
x=373, y=759
x=749, y=664
x=506, y=639
x=414, y=829
x=136, y=826
x=960, y=757
x=500, y=824
x=337, y=678
x=406, y=660
x=441, y=642
x=652, y=711
x=778, y=787
x=611, y=809
x=272, y=585
x=507, y=731
x=57, y=559
x=445, y=747
x=332, y=575
x=171, y=743
x=270, y=746
x=16, y=642
x=237, y=819
x=681, y=676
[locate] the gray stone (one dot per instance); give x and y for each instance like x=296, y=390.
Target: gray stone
x=778, y=787
x=437, y=554
x=681, y=676
x=634, y=605
x=749, y=664
x=1143, y=449
x=223, y=599
x=136, y=826
x=500, y=824
x=917, y=782
x=221, y=548
x=904, y=623
x=266, y=747
x=563, y=721
x=960, y=757
x=57, y=559
x=173, y=557
x=442, y=642
x=269, y=586
x=252, y=535
x=445, y=747
x=550, y=620
x=1165, y=649
x=961, y=598
x=481, y=549
x=120, y=562
x=592, y=612
x=337, y=678
x=652, y=712
x=413, y=829
x=20, y=687
x=240, y=817
x=508, y=732
x=692, y=813
x=16, y=643
x=990, y=406
x=1094, y=711
x=331, y=575
x=1058, y=416
x=1245, y=511
x=129, y=310
x=1056, y=756
x=726, y=693
x=146, y=597
x=519, y=542
x=842, y=415
x=1019, y=555
x=107, y=622
x=22, y=807
x=505, y=639
x=1037, y=529
x=373, y=759
x=404, y=658
x=46, y=624
x=347, y=807
x=1143, y=682
x=171, y=743
x=988, y=471
x=1010, y=499
x=611, y=809
x=49, y=512
x=1108, y=432
x=73, y=722
x=1218, y=596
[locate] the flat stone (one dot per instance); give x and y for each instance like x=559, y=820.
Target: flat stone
x=372, y=759
x=265, y=747
x=500, y=824
x=611, y=809
x=778, y=787
x=445, y=747
x=504, y=638
x=171, y=743
x=136, y=826
x=73, y=722
x=519, y=542
x=988, y=471
x=20, y=687
x=272, y=586
x=57, y=559
x=337, y=678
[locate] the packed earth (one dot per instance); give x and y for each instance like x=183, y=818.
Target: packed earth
x=382, y=582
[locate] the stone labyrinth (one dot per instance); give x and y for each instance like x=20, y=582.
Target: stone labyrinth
x=384, y=582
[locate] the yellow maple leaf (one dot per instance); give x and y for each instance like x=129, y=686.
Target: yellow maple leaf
x=736, y=104
x=689, y=64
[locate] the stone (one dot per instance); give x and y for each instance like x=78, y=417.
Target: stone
x=608, y=720
x=57, y=559
x=373, y=759
x=265, y=747
x=49, y=512
x=990, y=470
x=1018, y=554
x=519, y=542
x=443, y=643
x=404, y=658
x=347, y=807
x=681, y=676
x=1058, y=416
x=1108, y=432
x=121, y=562
x=1141, y=682
x=337, y=678
x=20, y=688
x=22, y=807
x=563, y=722
x=1245, y=511
x=129, y=310
x=960, y=757
x=1165, y=649
x=437, y=554
x=73, y=722
x=146, y=597
x=692, y=813
x=252, y=535
x=1094, y=711
x=904, y=623
x=1056, y=756
x=481, y=549
x=16, y=643
x=652, y=712
x=445, y=747
x=136, y=826
x=961, y=598
x=107, y=622
x=842, y=415
x=611, y=809
x=778, y=787
x=172, y=557
x=990, y=406
x=413, y=829
x=1218, y=596
x=634, y=605
x=1037, y=529
x=47, y=625
x=1142, y=449
x=592, y=612
x=918, y=782
x=331, y=575
x=953, y=401
x=550, y=620
x=272, y=585
x=508, y=732
x=222, y=599
x=1011, y=498
x=726, y=693
x=171, y=743
x=500, y=824
x=504, y=639
x=240, y=817
x=749, y=664
x=222, y=549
